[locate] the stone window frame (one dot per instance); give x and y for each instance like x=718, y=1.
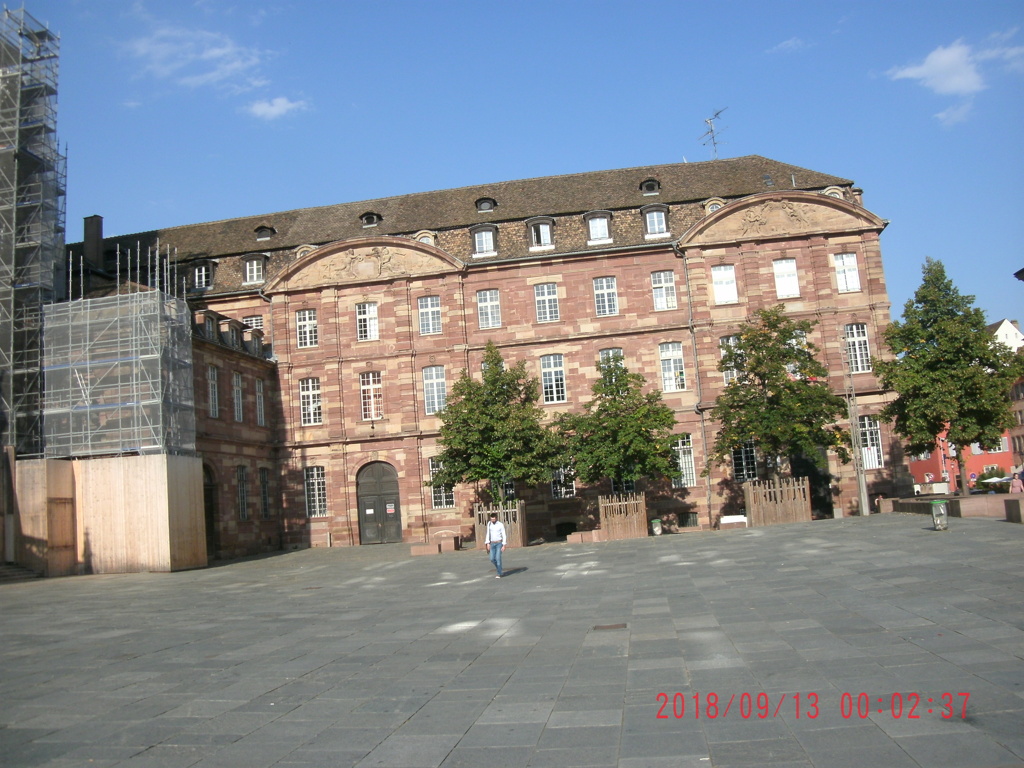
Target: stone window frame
x=311, y=406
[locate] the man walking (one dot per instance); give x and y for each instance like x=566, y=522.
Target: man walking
x=495, y=541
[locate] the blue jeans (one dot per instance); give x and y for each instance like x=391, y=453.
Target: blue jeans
x=496, y=556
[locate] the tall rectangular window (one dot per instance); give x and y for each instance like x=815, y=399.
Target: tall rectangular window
x=315, y=483
x=306, y=331
x=545, y=298
x=237, y=395
x=434, y=389
x=787, y=284
x=724, y=345
x=687, y=477
x=253, y=321
x=870, y=442
x=371, y=395
x=310, y=408
x=261, y=404
x=430, y=314
x=606, y=297
x=552, y=371
x=663, y=284
x=212, y=391
x=847, y=275
x=857, y=350
x=488, y=309
x=744, y=462
x=563, y=486
x=673, y=375
x=367, y=328
x=597, y=228
x=264, y=493
x=443, y=496
x=606, y=355
x=723, y=281
x=242, y=482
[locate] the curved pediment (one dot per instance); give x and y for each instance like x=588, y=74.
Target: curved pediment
x=362, y=260
x=776, y=215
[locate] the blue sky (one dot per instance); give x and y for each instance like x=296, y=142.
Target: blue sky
x=181, y=112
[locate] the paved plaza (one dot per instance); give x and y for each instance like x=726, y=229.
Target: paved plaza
x=860, y=642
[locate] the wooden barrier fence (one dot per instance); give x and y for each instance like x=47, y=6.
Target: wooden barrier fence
x=512, y=514
x=623, y=516
x=787, y=500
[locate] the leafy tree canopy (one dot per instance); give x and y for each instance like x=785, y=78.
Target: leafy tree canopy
x=492, y=430
x=780, y=397
x=622, y=433
x=949, y=372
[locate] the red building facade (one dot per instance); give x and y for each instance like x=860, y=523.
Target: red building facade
x=373, y=309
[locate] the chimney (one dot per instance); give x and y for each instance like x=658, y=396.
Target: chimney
x=92, y=243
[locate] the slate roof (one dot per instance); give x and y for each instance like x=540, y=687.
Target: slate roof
x=456, y=208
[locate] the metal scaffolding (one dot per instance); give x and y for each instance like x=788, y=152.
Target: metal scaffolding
x=32, y=181
x=118, y=373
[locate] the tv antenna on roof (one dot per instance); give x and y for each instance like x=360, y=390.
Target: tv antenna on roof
x=711, y=135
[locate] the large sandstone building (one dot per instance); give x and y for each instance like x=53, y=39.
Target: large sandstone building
x=369, y=311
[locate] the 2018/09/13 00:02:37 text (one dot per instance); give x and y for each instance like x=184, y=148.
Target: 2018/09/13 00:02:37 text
x=909, y=706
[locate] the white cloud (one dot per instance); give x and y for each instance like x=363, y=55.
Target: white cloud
x=955, y=114
x=271, y=109
x=196, y=58
x=787, y=46
x=946, y=70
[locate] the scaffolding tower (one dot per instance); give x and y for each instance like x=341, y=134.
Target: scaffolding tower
x=32, y=187
x=118, y=374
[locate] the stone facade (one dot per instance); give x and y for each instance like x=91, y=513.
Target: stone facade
x=370, y=308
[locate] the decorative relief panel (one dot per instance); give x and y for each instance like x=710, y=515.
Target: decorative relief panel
x=360, y=264
x=781, y=217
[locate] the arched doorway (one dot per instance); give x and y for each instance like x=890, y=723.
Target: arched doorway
x=380, y=513
x=210, y=512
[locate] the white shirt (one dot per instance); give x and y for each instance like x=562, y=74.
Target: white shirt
x=495, y=533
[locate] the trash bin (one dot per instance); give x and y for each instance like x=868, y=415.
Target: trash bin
x=656, y=526
x=940, y=515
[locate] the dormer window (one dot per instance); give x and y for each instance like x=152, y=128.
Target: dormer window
x=425, y=236
x=835, y=192
x=541, y=233
x=202, y=276
x=650, y=186
x=486, y=205
x=265, y=232
x=371, y=219
x=713, y=204
x=255, y=269
x=655, y=221
x=598, y=227
x=485, y=240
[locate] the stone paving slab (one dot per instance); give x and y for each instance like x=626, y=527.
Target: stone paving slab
x=811, y=645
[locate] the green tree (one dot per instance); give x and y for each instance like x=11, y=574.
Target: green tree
x=949, y=372
x=779, y=399
x=622, y=434
x=492, y=430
